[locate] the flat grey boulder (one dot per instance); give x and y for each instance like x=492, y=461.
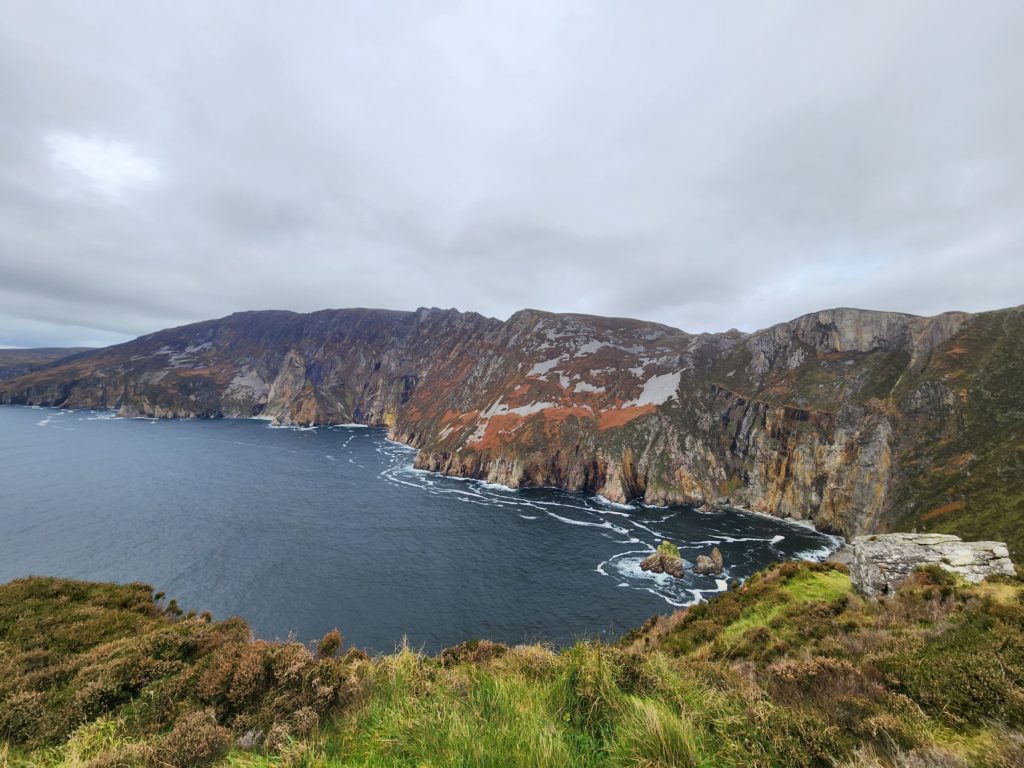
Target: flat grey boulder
x=879, y=564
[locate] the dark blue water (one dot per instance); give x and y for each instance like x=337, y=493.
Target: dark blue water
x=299, y=531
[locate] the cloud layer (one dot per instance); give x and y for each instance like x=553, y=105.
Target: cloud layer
x=706, y=165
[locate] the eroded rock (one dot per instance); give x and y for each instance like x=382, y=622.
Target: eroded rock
x=880, y=564
x=665, y=559
x=659, y=562
x=712, y=564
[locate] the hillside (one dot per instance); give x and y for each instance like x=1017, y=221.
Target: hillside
x=858, y=421
x=791, y=669
x=18, y=362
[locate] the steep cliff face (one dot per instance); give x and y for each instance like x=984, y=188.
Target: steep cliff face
x=852, y=419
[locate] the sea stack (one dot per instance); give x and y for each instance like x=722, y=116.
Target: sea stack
x=712, y=564
x=665, y=559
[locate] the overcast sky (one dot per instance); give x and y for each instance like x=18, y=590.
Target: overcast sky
x=704, y=164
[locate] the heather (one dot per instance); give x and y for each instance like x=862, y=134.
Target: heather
x=790, y=669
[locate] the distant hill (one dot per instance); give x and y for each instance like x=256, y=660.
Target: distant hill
x=18, y=362
x=856, y=420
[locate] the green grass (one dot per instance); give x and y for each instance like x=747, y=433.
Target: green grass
x=465, y=717
x=791, y=669
x=668, y=548
x=805, y=587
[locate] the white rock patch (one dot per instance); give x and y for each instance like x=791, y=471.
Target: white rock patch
x=657, y=390
x=539, y=369
x=247, y=381
x=526, y=410
x=589, y=348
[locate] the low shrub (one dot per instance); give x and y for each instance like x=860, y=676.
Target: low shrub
x=195, y=741
x=972, y=672
x=791, y=669
x=329, y=644
x=472, y=652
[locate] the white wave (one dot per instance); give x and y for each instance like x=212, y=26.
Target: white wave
x=724, y=539
x=529, y=517
x=630, y=567
x=584, y=523
x=400, y=445
x=669, y=600
x=99, y=416
x=561, y=504
x=605, y=501
x=497, y=487
x=651, y=531
x=816, y=555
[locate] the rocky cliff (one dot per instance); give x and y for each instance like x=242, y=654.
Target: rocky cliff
x=858, y=421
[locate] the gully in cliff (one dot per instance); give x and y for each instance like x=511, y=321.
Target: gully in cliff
x=665, y=559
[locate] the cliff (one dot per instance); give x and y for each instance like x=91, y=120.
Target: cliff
x=858, y=421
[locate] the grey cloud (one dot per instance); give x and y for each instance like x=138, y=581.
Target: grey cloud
x=703, y=165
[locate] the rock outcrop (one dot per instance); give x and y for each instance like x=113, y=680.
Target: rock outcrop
x=880, y=564
x=856, y=421
x=665, y=559
x=712, y=564
x=662, y=563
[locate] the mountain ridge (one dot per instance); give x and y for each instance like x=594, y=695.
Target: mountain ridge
x=856, y=420
x=17, y=361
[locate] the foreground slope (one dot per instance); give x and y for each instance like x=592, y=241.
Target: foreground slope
x=859, y=421
x=791, y=669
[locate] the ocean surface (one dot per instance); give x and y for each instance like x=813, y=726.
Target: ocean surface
x=303, y=530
